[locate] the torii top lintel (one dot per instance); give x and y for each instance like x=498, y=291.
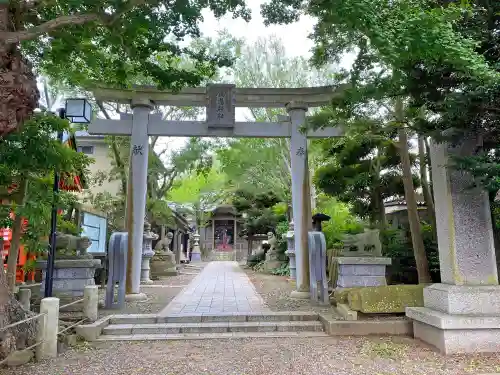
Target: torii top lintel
x=248, y=97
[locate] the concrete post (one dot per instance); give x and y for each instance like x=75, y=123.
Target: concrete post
x=91, y=302
x=24, y=296
x=301, y=197
x=136, y=197
x=48, y=327
x=462, y=313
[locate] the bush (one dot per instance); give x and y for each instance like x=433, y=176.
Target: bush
x=284, y=270
x=254, y=259
x=396, y=244
x=341, y=222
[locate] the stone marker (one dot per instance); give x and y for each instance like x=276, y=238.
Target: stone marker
x=462, y=313
x=317, y=264
x=117, y=255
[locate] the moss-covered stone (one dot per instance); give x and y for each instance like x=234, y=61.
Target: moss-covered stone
x=385, y=299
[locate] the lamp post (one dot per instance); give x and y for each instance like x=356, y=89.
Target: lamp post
x=77, y=111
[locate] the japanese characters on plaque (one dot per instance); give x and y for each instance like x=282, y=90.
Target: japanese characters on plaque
x=220, y=106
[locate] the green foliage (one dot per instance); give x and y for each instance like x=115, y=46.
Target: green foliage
x=110, y=42
x=255, y=259
x=342, y=220
x=198, y=193
x=257, y=209
x=284, y=270
x=397, y=246
x=30, y=156
x=362, y=169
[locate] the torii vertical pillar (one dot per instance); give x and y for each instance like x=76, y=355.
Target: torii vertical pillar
x=136, y=196
x=301, y=196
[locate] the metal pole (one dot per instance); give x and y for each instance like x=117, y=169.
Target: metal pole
x=53, y=225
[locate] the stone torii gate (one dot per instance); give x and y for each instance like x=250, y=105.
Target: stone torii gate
x=220, y=102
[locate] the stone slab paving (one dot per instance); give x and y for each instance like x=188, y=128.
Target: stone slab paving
x=222, y=287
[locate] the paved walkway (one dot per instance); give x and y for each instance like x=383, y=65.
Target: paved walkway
x=222, y=287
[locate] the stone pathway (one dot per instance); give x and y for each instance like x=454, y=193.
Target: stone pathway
x=222, y=287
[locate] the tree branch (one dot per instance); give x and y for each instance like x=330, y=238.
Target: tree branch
x=59, y=22
x=76, y=19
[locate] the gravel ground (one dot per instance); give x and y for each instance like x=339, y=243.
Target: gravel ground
x=319, y=356
x=275, y=291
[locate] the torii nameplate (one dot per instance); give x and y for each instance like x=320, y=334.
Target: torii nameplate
x=220, y=106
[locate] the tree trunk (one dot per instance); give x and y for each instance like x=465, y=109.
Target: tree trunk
x=411, y=204
x=429, y=201
x=18, y=90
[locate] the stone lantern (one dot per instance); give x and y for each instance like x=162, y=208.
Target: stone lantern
x=147, y=253
x=196, y=253
x=290, y=252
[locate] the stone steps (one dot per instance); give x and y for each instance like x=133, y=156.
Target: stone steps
x=210, y=336
x=216, y=327
x=207, y=326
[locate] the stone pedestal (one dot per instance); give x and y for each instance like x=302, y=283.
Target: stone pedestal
x=361, y=271
x=271, y=262
x=163, y=265
x=71, y=276
x=462, y=314
x=290, y=252
x=196, y=253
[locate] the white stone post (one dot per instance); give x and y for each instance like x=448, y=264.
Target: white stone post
x=136, y=197
x=91, y=302
x=301, y=197
x=196, y=253
x=462, y=313
x=48, y=327
x=24, y=296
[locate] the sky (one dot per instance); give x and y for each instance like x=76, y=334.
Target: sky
x=294, y=38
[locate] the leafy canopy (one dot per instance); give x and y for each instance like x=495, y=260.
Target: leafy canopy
x=110, y=41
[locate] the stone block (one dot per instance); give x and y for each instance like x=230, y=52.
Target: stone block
x=91, y=332
x=397, y=327
x=385, y=299
x=454, y=341
x=357, y=281
x=362, y=270
x=346, y=312
x=463, y=300
x=364, y=260
x=19, y=357
x=452, y=322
